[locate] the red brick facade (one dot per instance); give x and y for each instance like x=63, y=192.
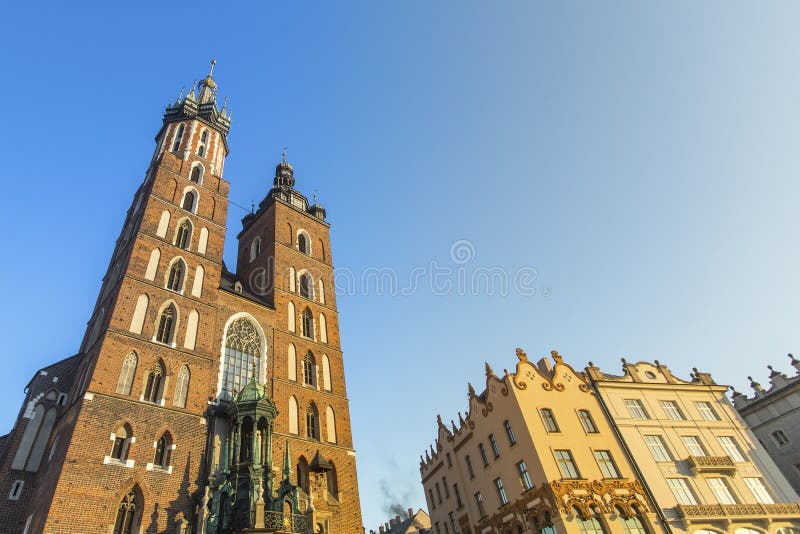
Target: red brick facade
x=79, y=485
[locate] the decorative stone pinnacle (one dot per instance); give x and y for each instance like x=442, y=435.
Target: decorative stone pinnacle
x=521, y=355
x=556, y=356
x=470, y=389
x=488, y=369
x=624, y=361
x=211, y=70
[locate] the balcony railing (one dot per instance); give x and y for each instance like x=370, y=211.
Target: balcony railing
x=750, y=511
x=711, y=463
x=279, y=522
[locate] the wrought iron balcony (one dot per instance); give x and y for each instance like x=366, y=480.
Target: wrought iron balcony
x=744, y=511
x=291, y=523
x=711, y=463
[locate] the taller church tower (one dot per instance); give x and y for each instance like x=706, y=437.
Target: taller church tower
x=202, y=400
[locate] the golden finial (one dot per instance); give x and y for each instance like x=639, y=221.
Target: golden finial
x=211, y=70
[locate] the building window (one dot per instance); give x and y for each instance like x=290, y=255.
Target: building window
x=479, y=502
x=471, y=470
x=189, y=201
x=312, y=422
x=485, y=458
x=176, y=276
x=780, y=438
x=308, y=324
x=438, y=493
x=255, y=248
x=16, y=490
x=309, y=370
x=590, y=525
x=459, y=504
x=166, y=325
x=636, y=409
x=452, y=517
x=759, y=491
x=181, y=388
x=449, y=461
x=306, y=286
x=693, y=445
x=672, y=410
x=122, y=442
x=587, y=422
x=242, y=356
x=657, y=448
x=731, y=448
x=707, y=411
x=178, y=137
x=501, y=491
x=184, y=235
x=197, y=173
x=154, y=384
x=512, y=439
x=549, y=420
x=524, y=476
x=446, y=488
x=606, y=464
x=163, y=448
x=721, y=491
x=430, y=494
x=681, y=491
x=127, y=373
x=128, y=512
x=633, y=524
x=201, y=149
x=566, y=464
x=493, y=443
x=303, y=243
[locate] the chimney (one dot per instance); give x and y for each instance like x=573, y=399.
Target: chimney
x=410, y=513
x=381, y=529
x=387, y=526
x=397, y=520
x=391, y=523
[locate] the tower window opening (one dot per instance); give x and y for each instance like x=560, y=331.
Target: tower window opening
x=306, y=286
x=197, y=174
x=201, y=149
x=303, y=243
x=176, y=276
x=178, y=137
x=309, y=370
x=189, y=201
x=155, y=382
x=312, y=422
x=242, y=361
x=166, y=326
x=184, y=235
x=162, y=453
x=308, y=324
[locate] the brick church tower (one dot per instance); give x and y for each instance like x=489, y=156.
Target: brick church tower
x=201, y=400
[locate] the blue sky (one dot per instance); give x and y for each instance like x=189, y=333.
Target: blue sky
x=640, y=157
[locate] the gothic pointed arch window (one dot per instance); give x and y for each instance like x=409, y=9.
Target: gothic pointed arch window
x=129, y=513
x=176, y=275
x=163, y=449
x=303, y=242
x=310, y=369
x=122, y=441
x=306, y=286
x=197, y=174
x=127, y=373
x=308, y=324
x=183, y=237
x=312, y=422
x=176, y=144
x=242, y=356
x=189, y=202
x=330, y=424
x=165, y=332
x=154, y=386
x=181, y=388
x=201, y=149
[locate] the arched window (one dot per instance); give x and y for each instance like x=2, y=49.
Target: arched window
x=190, y=339
x=139, y=314
x=122, y=442
x=178, y=137
x=291, y=361
x=197, y=284
x=330, y=424
x=323, y=328
x=177, y=273
x=155, y=383
x=292, y=279
x=242, y=356
x=130, y=511
x=42, y=437
x=152, y=264
x=306, y=286
x=163, y=449
x=181, y=388
x=28, y=437
x=333, y=483
x=255, y=248
x=163, y=224
x=321, y=291
x=293, y=415
x=308, y=324
x=326, y=373
x=591, y=525
x=189, y=198
x=309, y=370
x=183, y=237
x=166, y=325
x=303, y=243
x=127, y=373
x=197, y=174
x=290, y=316
x=312, y=422
x=202, y=243
x=631, y=525
x=201, y=149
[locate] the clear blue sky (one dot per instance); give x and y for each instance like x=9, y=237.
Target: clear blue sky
x=640, y=156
